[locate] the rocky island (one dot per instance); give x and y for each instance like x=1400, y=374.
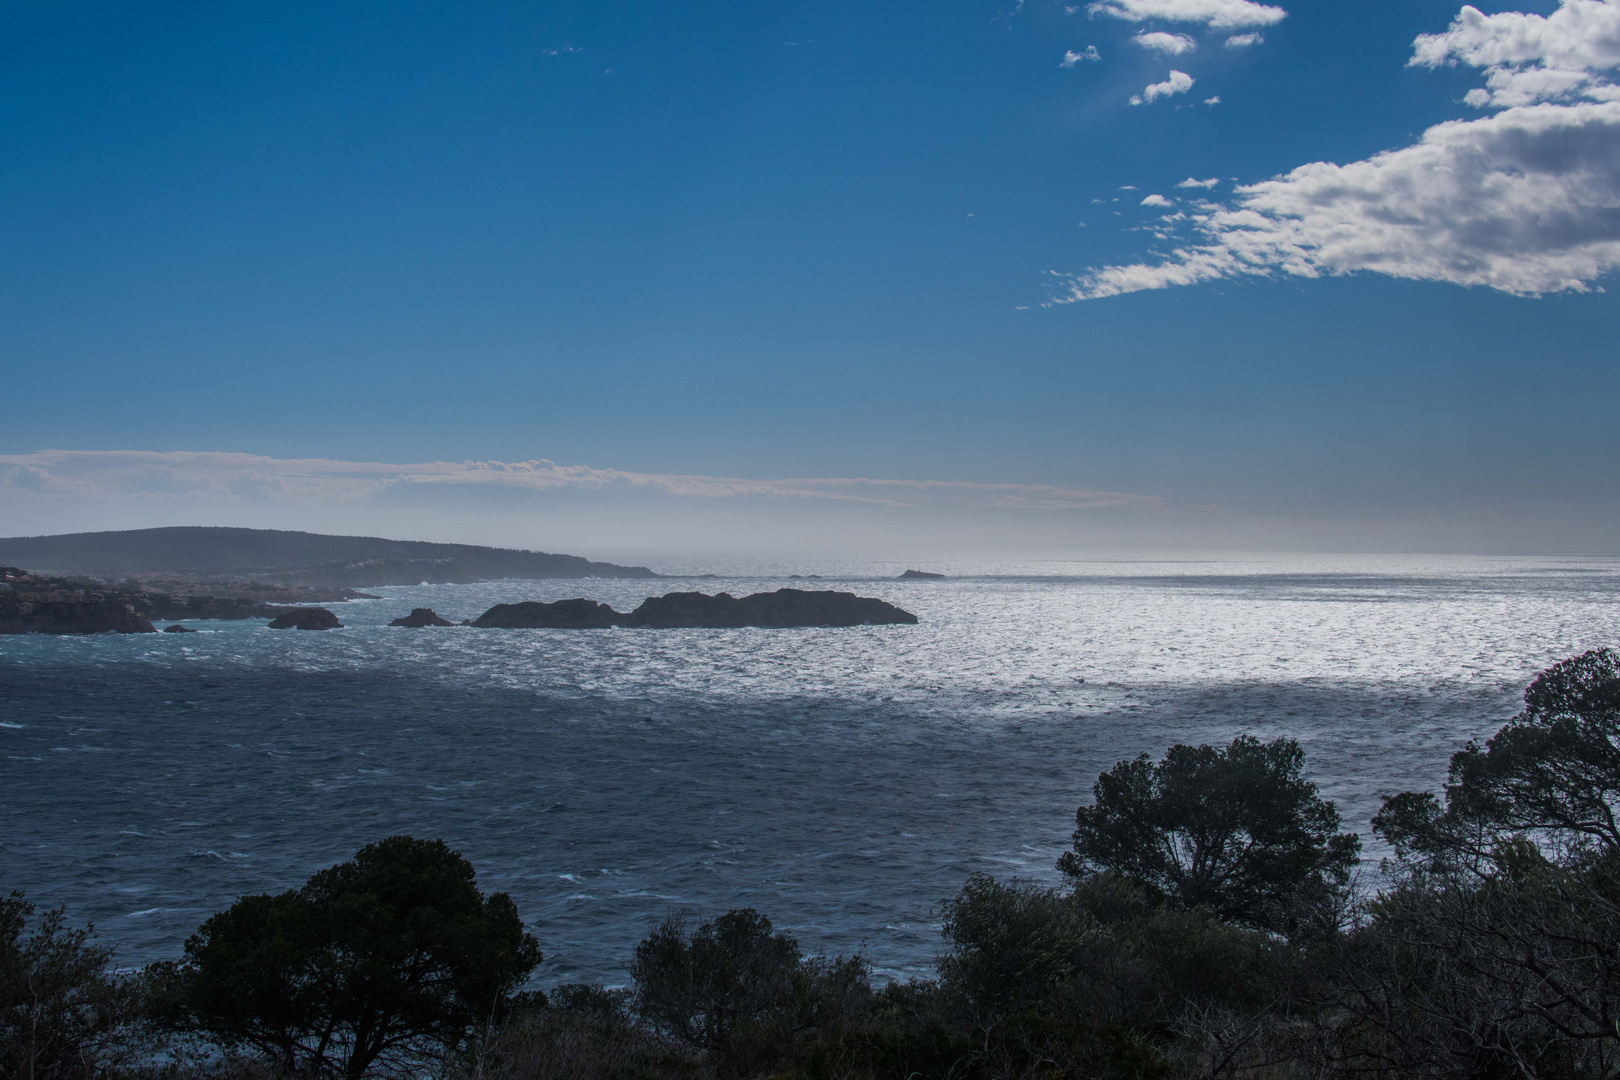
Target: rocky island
x=422, y=616
x=562, y=615
x=317, y=618
x=921, y=575
x=781, y=609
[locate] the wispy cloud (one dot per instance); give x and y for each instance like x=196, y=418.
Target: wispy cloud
x=1179, y=82
x=1217, y=14
x=229, y=478
x=1190, y=182
x=1071, y=58
x=1243, y=41
x=1523, y=201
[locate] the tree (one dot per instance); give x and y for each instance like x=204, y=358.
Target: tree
x=62, y=1014
x=378, y=960
x=1238, y=831
x=1552, y=772
x=1499, y=947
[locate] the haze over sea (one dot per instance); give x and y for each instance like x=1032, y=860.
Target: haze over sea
x=843, y=781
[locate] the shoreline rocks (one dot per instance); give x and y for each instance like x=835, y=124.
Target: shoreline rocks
x=33, y=605
x=317, y=618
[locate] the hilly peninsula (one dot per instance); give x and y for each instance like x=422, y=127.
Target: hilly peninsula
x=290, y=558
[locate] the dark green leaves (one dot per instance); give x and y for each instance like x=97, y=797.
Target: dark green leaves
x=1237, y=831
x=382, y=958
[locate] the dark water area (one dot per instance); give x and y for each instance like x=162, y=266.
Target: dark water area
x=843, y=782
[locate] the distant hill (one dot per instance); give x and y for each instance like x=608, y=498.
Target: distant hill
x=289, y=558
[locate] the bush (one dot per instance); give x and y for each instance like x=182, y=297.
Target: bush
x=583, y=1032
x=744, y=996
x=62, y=1015
x=1107, y=978
x=1238, y=831
x=386, y=959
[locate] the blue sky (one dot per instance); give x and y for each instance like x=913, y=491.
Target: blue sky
x=767, y=242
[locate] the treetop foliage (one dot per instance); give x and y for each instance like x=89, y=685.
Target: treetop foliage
x=1552, y=771
x=385, y=955
x=1236, y=830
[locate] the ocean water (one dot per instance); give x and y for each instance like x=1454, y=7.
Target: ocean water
x=843, y=781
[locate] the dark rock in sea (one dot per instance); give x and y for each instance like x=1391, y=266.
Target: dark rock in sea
x=562, y=615
x=780, y=609
x=422, y=616
x=920, y=575
x=315, y=618
x=178, y=629
x=693, y=610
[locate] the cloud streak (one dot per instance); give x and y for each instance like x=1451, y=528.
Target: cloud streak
x=228, y=479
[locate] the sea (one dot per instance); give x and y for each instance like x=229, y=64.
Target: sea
x=844, y=782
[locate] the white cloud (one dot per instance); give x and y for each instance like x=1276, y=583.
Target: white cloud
x=1071, y=58
x=1219, y=14
x=562, y=50
x=1531, y=58
x=1526, y=201
x=1216, y=100
x=1156, y=200
x=1179, y=82
x=1243, y=41
x=1192, y=183
x=1170, y=44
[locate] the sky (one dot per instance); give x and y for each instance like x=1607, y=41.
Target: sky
x=625, y=277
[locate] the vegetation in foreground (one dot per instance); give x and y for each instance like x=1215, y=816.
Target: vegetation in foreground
x=1208, y=927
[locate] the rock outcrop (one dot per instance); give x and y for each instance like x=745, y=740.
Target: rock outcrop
x=315, y=618
x=694, y=610
x=920, y=575
x=422, y=616
x=778, y=610
x=562, y=615
x=33, y=605
x=178, y=629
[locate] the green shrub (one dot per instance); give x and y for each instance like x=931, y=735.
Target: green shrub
x=63, y=1016
x=744, y=996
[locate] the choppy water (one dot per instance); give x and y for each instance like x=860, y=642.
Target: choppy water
x=842, y=781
